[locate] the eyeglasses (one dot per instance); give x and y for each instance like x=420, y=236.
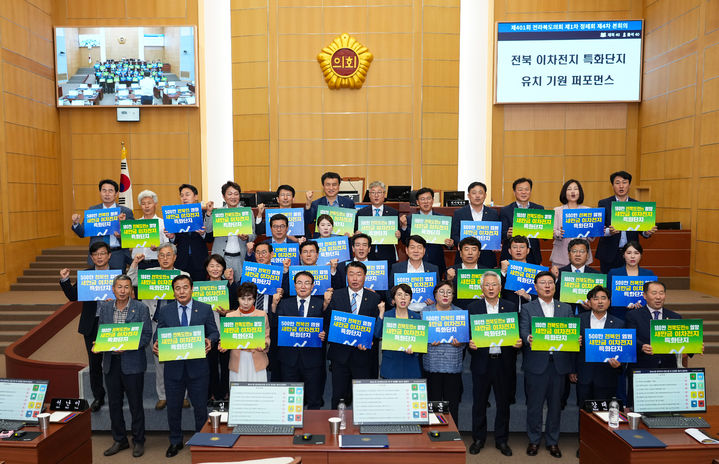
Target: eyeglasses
x=279, y=226
x=100, y=253
x=445, y=292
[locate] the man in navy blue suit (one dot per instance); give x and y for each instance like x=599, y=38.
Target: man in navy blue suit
x=108, y=196
x=475, y=211
x=522, y=188
x=331, y=187
x=192, y=375
x=469, y=252
x=578, y=255
x=416, y=262
x=608, y=249
x=191, y=246
x=285, y=199
x=378, y=208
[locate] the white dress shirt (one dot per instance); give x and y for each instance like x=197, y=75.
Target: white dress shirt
x=493, y=309
x=547, y=308
x=595, y=323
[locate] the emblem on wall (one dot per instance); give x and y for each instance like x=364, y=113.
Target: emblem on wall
x=345, y=62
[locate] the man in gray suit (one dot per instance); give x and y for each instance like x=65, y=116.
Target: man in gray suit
x=125, y=369
x=544, y=371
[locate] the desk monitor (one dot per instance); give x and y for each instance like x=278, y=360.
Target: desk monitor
x=22, y=400
x=266, y=403
x=248, y=199
x=669, y=390
x=268, y=198
x=398, y=192
x=454, y=198
x=401, y=401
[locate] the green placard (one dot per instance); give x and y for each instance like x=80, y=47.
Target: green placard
x=232, y=221
x=494, y=329
x=380, y=228
x=244, y=333
x=670, y=336
x=180, y=343
x=576, y=285
x=114, y=337
x=344, y=218
x=141, y=233
x=533, y=223
x=633, y=215
x=214, y=293
x=155, y=285
x=431, y=227
x=469, y=282
x=555, y=334
x=402, y=334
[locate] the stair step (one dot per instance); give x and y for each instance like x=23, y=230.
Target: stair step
x=11, y=335
x=10, y=315
x=676, y=283
x=4, y=345
x=78, y=250
x=51, y=271
x=41, y=279
x=61, y=259
x=36, y=287
x=29, y=307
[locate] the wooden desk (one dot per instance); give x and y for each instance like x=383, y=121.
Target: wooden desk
x=599, y=444
x=407, y=448
x=68, y=443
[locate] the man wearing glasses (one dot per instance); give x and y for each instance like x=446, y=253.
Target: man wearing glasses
x=578, y=256
x=378, y=208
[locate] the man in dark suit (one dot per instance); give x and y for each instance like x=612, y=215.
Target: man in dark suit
x=192, y=375
x=351, y=362
x=302, y=364
x=416, y=262
x=578, y=254
x=544, y=371
x=378, y=208
x=522, y=188
x=361, y=245
x=125, y=369
x=469, y=252
x=518, y=251
x=609, y=246
x=108, y=196
x=100, y=255
x=492, y=368
x=285, y=199
x=475, y=211
x=191, y=246
x=331, y=187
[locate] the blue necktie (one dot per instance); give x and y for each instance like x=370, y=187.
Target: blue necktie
x=302, y=308
x=184, y=320
x=353, y=304
x=656, y=314
x=376, y=212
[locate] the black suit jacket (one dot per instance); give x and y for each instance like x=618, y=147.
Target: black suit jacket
x=639, y=319
x=599, y=374
x=480, y=356
x=380, y=252
x=346, y=354
x=568, y=268
x=311, y=357
x=506, y=215
x=191, y=250
x=608, y=246
x=487, y=258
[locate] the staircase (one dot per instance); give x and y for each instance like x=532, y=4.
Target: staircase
x=17, y=319
x=44, y=273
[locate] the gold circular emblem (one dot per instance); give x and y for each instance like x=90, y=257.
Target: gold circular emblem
x=345, y=62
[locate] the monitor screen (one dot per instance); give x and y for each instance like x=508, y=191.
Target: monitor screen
x=266, y=403
x=268, y=198
x=398, y=192
x=669, y=390
x=389, y=402
x=21, y=399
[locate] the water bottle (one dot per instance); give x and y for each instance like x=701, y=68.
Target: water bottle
x=614, y=414
x=341, y=414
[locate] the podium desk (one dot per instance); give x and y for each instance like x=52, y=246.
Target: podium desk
x=67, y=443
x=404, y=448
x=599, y=443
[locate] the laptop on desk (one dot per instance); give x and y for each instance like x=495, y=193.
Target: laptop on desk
x=266, y=408
x=662, y=396
x=390, y=406
x=20, y=402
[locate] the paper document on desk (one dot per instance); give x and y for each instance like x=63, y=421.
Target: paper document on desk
x=701, y=437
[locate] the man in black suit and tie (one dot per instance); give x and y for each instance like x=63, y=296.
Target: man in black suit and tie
x=191, y=246
x=492, y=368
x=302, y=364
x=350, y=362
x=475, y=211
x=331, y=187
x=361, y=245
x=544, y=371
x=416, y=262
x=522, y=188
x=578, y=254
x=192, y=375
x=378, y=208
x=608, y=249
x=469, y=252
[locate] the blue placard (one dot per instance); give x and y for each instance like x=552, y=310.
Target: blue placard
x=283, y=251
x=351, y=329
x=376, y=278
x=299, y=332
x=96, y=285
x=583, y=223
x=182, y=218
x=333, y=248
x=445, y=326
x=267, y=278
x=629, y=290
x=321, y=274
x=295, y=216
x=422, y=284
x=489, y=233
x=520, y=276
x=602, y=344
x=99, y=222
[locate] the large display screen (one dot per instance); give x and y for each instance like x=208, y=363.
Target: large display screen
x=669, y=390
x=22, y=400
x=576, y=61
x=266, y=403
x=389, y=402
x=125, y=66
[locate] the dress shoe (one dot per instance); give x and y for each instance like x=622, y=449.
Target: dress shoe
x=185, y=403
x=554, y=451
x=116, y=448
x=160, y=405
x=532, y=449
x=173, y=450
x=96, y=405
x=138, y=449
x=504, y=448
x=577, y=454
x=476, y=446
